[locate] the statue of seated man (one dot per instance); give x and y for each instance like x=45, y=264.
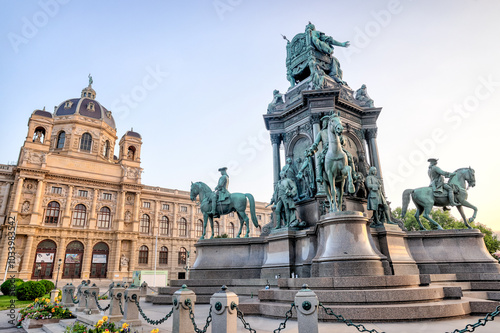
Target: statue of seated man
x=363, y=98
x=221, y=193
x=437, y=176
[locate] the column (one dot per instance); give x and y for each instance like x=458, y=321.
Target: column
x=67, y=208
x=120, y=211
x=116, y=259
x=93, y=214
x=175, y=230
x=6, y=190
x=276, y=141
x=26, y=267
x=87, y=258
x=136, y=212
x=371, y=138
x=17, y=195
x=60, y=254
x=35, y=215
x=133, y=257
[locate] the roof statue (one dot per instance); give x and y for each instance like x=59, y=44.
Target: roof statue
x=90, y=80
x=310, y=53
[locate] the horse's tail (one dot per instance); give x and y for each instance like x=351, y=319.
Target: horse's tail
x=406, y=201
x=252, y=209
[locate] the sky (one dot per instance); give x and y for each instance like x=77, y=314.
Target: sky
x=195, y=77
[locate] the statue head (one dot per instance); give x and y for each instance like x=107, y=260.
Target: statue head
x=276, y=92
x=433, y=161
x=223, y=170
x=310, y=26
x=289, y=160
x=373, y=171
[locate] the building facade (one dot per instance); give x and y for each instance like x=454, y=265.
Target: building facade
x=81, y=212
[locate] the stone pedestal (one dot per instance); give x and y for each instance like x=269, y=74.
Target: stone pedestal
x=306, y=304
x=82, y=298
x=224, y=316
x=451, y=252
x=393, y=244
x=130, y=311
x=68, y=292
x=344, y=247
x=92, y=295
x=181, y=321
x=115, y=296
x=280, y=255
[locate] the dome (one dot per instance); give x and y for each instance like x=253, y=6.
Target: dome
x=134, y=134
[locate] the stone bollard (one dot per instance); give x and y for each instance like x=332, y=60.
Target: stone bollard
x=306, y=304
x=144, y=289
x=115, y=296
x=182, y=323
x=125, y=284
x=92, y=295
x=224, y=313
x=68, y=293
x=82, y=297
x=53, y=295
x=130, y=311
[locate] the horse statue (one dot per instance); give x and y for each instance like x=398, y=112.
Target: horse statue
x=237, y=203
x=336, y=168
x=424, y=199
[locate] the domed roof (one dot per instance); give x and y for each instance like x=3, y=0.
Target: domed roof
x=42, y=113
x=134, y=134
x=86, y=106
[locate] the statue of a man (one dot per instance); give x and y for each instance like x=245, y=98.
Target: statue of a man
x=124, y=261
x=277, y=100
x=221, y=193
x=284, y=193
x=306, y=172
x=376, y=199
x=437, y=175
x=321, y=137
x=363, y=98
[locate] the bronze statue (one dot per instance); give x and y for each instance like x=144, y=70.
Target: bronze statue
x=363, y=98
x=376, y=199
x=425, y=198
x=277, y=100
x=439, y=187
x=284, y=192
x=221, y=193
x=306, y=172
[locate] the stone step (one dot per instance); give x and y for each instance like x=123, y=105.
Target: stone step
x=219, y=282
x=352, y=282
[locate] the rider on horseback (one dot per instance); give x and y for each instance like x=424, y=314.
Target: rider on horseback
x=437, y=176
x=221, y=193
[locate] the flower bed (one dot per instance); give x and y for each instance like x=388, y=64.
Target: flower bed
x=42, y=312
x=102, y=326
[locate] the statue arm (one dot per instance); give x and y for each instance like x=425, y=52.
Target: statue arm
x=332, y=41
x=441, y=172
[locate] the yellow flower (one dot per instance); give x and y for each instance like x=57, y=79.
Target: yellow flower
x=99, y=323
x=156, y=330
x=36, y=299
x=53, y=310
x=105, y=318
x=125, y=325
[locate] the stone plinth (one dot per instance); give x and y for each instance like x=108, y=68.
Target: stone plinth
x=344, y=247
x=393, y=244
x=280, y=254
x=451, y=251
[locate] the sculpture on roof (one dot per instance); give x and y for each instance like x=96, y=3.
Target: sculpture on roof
x=90, y=80
x=363, y=98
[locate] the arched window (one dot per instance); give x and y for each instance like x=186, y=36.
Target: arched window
x=52, y=212
x=86, y=143
x=164, y=225
x=199, y=228
x=73, y=260
x=79, y=215
x=182, y=227
x=106, y=148
x=61, y=138
x=44, y=260
x=100, y=255
x=143, y=254
x=104, y=218
x=39, y=135
x=216, y=228
x=182, y=256
x=230, y=230
x=163, y=255
x=145, y=222
x=131, y=153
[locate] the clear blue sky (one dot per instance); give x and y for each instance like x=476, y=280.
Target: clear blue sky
x=431, y=65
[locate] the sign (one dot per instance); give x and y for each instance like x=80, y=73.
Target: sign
x=44, y=257
x=98, y=258
x=73, y=258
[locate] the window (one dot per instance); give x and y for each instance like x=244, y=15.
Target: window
x=166, y=207
x=199, y=228
x=56, y=190
x=79, y=215
x=216, y=228
x=259, y=217
x=131, y=153
x=83, y=193
x=61, y=138
x=164, y=225
x=104, y=218
x=163, y=255
x=230, y=230
x=231, y=214
x=183, y=209
x=198, y=210
x=143, y=254
x=52, y=213
x=182, y=227
x=39, y=135
x=145, y=222
x=182, y=256
x=106, y=196
x=106, y=149
x=146, y=204
x=86, y=142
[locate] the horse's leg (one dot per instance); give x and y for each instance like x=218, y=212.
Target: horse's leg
x=469, y=205
x=340, y=194
x=417, y=217
x=333, y=192
x=205, y=218
x=427, y=211
x=211, y=218
x=464, y=218
x=241, y=223
x=347, y=172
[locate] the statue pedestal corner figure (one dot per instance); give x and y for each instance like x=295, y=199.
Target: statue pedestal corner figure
x=376, y=200
x=124, y=263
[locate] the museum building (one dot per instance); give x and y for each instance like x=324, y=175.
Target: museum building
x=82, y=212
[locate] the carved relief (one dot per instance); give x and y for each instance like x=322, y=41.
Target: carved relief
x=128, y=216
x=34, y=157
x=26, y=207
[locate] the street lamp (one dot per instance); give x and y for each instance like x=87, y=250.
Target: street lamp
x=58, y=268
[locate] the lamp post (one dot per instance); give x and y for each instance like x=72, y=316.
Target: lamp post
x=58, y=268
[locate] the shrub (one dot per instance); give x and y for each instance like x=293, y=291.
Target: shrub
x=49, y=285
x=7, y=289
x=30, y=290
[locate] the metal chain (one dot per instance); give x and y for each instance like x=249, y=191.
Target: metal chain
x=152, y=289
x=481, y=322
x=78, y=293
x=288, y=315
x=119, y=296
x=149, y=320
x=97, y=303
x=359, y=327
x=191, y=316
x=240, y=316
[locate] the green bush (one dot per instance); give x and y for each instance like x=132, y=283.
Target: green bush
x=7, y=286
x=30, y=290
x=49, y=285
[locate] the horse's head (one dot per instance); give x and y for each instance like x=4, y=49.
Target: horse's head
x=471, y=179
x=335, y=125
x=194, y=191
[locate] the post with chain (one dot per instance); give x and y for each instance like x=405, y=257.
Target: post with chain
x=144, y=289
x=83, y=291
x=93, y=293
x=68, y=292
x=131, y=312
x=224, y=319
x=306, y=304
x=182, y=322
x=115, y=296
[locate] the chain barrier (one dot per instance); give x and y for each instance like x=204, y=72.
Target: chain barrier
x=97, y=303
x=152, y=289
x=119, y=296
x=239, y=314
x=481, y=322
x=149, y=320
x=359, y=327
x=77, y=294
x=191, y=316
x=288, y=315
